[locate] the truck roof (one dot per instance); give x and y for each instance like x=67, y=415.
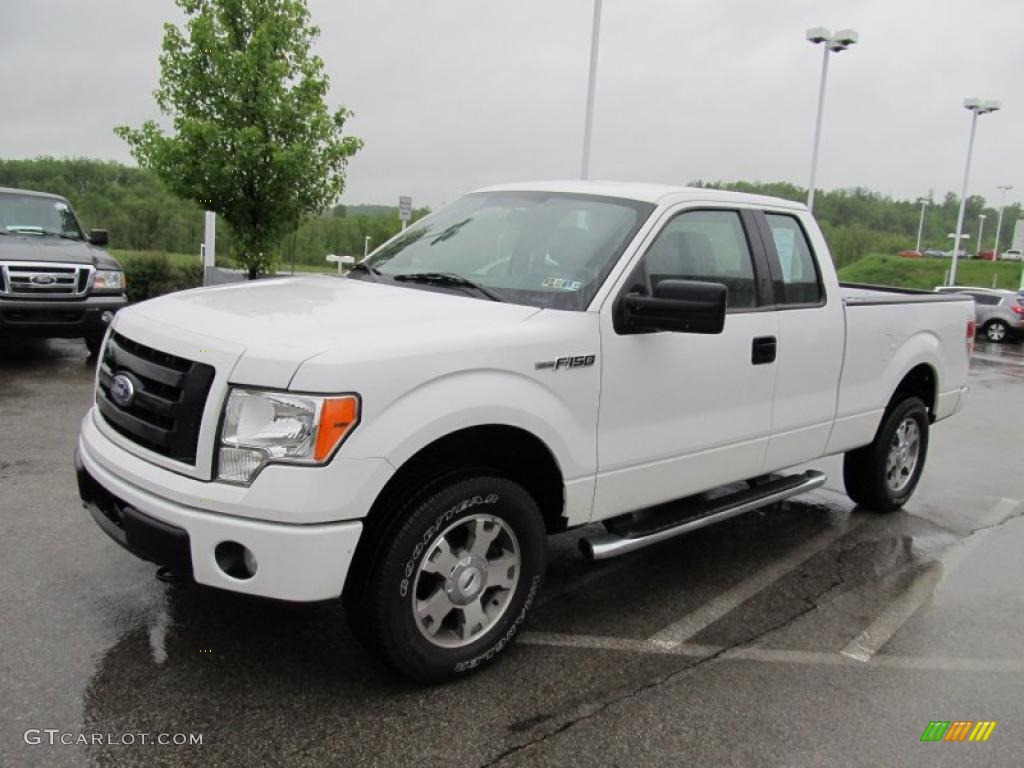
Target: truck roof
x=646, y=192
x=15, y=191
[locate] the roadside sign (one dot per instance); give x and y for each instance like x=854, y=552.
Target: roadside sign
x=404, y=208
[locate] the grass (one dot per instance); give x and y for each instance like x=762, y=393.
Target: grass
x=188, y=259
x=925, y=274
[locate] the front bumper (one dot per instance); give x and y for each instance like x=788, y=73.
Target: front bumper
x=294, y=561
x=57, y=318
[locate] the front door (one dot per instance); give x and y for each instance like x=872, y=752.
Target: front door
x=681, y=413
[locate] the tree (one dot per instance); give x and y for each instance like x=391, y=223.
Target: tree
x=253, y=139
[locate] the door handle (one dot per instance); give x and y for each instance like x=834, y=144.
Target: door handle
x=763, y=350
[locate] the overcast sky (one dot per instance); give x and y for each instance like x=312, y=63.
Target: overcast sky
x=450, y=95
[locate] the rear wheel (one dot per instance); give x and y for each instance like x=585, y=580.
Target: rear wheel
x=996, y=331
x=453, y=579
x=884, y=474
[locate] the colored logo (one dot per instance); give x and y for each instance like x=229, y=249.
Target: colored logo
x=958, y=730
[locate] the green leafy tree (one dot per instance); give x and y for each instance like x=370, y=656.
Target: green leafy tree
x=253, y=139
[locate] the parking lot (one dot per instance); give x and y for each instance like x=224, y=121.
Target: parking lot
x=808, y=634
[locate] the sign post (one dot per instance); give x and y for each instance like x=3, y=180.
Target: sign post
x=404, y=209
x=209, y=245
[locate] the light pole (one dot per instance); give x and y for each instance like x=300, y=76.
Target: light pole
x=920, y=224
x=981, y=228
x=1003, y=188
x=977, y=107
x=366, y=247
x=588, y=120
x=834, y=43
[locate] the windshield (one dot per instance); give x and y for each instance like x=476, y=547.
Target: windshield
x=36, y=215
x=539, y=248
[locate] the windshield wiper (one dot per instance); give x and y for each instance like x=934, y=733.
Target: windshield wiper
x=65, y=235
x=369, y=269
x=447, y=278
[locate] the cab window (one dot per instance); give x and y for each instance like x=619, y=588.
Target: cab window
x=705, y=245
x=798, y=281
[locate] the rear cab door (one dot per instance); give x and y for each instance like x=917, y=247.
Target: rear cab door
x=812, y=336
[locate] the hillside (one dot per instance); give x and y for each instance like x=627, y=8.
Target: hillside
x=925, y=274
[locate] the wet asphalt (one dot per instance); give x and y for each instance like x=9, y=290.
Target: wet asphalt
x=809, y=634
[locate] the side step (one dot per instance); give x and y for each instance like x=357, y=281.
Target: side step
x=633, y=532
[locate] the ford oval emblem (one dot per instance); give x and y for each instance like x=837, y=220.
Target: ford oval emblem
x=122, y=391
x=44, y=279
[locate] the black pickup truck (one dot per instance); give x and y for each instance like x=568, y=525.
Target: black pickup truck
x=55, y=281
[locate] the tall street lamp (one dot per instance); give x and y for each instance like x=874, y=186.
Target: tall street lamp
x=977, y=107
x=1003, y=188
x=833, y=43
x=588, y=120
x=920, y=224
x=981, y=228
x=366, y=246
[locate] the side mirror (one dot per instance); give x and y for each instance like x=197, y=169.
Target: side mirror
x=683, y=306
x=98, y=236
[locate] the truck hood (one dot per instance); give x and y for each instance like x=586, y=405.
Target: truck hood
x=53, y=249
x=282, y=322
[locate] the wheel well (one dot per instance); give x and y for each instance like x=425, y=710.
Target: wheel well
x=919, y=382
x=512, y=452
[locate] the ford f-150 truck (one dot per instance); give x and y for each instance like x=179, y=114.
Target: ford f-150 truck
x=528, y=359
x=54, y=279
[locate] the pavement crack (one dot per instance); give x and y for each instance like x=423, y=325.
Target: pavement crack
x=597, y=708
x=1017, y=513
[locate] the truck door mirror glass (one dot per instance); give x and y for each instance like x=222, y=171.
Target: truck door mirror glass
x=683, y=306
x=98, y=236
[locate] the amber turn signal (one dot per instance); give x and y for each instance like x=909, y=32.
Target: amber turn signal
x=338, y=416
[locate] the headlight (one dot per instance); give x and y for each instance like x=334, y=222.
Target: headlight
x=266, y=427
x=108, y=280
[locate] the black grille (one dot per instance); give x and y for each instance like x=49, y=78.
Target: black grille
x=170, y=393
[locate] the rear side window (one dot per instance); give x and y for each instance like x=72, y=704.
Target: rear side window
x=705, y=245
x=800, y=282
x=986, y=299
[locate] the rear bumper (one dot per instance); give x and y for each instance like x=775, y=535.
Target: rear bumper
x=54, y=318
x=300, y=563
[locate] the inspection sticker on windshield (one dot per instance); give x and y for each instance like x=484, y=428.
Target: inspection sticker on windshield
x=562, y=283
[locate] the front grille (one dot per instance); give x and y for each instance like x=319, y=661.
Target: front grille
x=170, y=392
x=44, y=280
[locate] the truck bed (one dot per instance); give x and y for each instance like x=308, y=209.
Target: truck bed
x=863, y=294
x=890, y=331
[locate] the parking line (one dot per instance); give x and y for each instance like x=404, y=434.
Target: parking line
x=721, y=605
x=881, y=630
x=772, y=655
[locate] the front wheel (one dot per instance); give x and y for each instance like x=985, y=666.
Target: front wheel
x=996, y=331
x=454, y=580
x=884, y=474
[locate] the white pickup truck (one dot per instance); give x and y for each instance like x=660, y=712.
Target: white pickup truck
x=528, y=359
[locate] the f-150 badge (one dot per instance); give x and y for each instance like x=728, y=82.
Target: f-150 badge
x=578, y=361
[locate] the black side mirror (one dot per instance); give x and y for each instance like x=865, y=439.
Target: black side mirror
x=98, y=236
x=684, y=306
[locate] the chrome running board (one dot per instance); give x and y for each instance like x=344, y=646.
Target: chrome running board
x=667, y=521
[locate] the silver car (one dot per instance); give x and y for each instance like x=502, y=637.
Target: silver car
x=999, y=314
